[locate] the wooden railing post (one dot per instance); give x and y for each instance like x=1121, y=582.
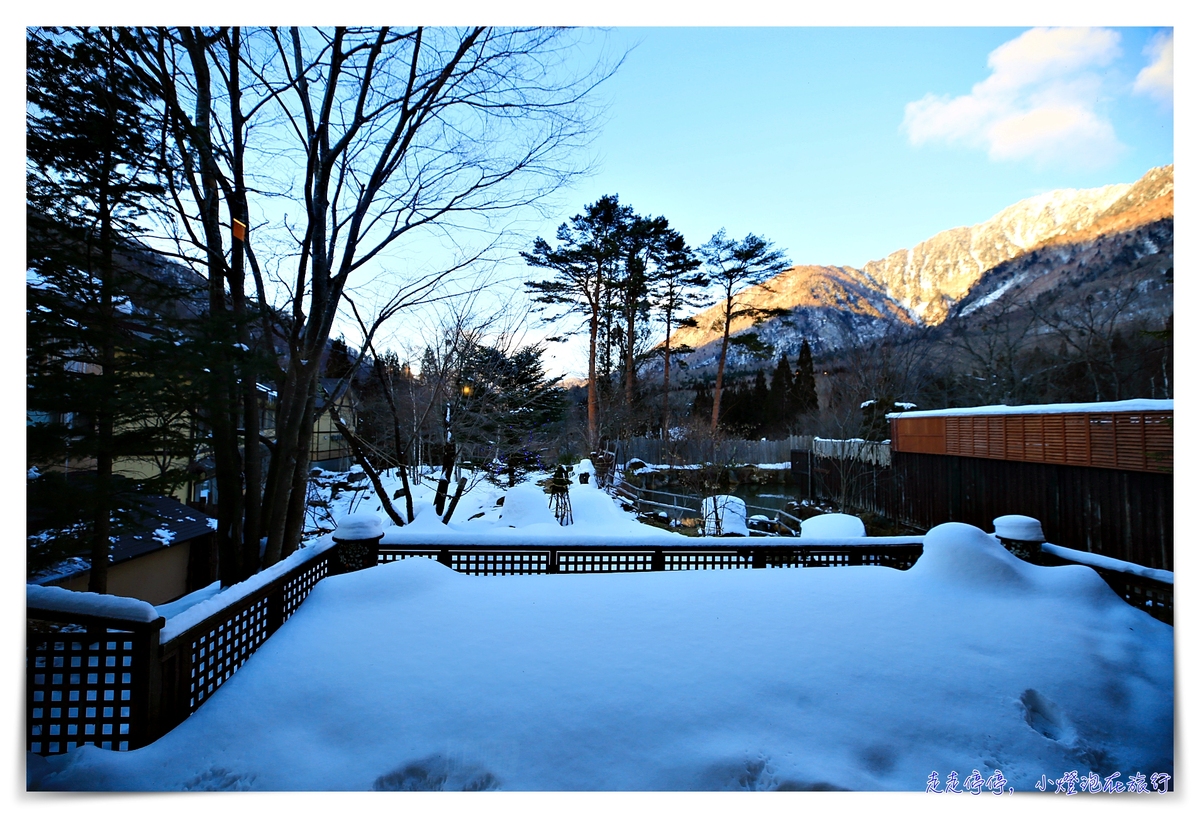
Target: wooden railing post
x=658, y=561
x=147, y=686
x=275, y=608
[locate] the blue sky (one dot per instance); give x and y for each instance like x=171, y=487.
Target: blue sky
x=844, y=144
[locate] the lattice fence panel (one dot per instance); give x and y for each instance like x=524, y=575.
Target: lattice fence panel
x=296, y=589
x=826, y=560
x=483, y=564
x=218, y=652
x=703, y=562
x=80, y=691
x=603, y=563
x=396, y=556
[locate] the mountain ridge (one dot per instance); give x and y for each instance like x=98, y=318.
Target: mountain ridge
x=923, y=285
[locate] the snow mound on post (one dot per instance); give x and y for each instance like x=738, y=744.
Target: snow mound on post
x=957, y=553
x=723, y=515
x=526, y=505
x=1019, y=527
x=832, y=526
x=52, y=598
x=361, y=526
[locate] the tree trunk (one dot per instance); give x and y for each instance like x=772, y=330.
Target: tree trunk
x=666, y=413
x=462, y=484
x=716, y=412
x=594, y=329
x=103, y=497
x=630, y=336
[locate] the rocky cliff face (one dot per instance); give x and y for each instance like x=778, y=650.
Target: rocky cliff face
x=927, y=284
x=933, y=276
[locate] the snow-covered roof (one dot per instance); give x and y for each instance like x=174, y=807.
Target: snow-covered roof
x=1137, y=405
x=165, y=522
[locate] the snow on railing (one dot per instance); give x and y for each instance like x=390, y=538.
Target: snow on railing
x=60, y=600
x=1110, y=564
x=1148, y=589
x=152, y=676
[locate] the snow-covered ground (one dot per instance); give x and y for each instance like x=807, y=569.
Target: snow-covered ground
x=411, y=676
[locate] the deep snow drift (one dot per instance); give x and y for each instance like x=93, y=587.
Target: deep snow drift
x=411, y=676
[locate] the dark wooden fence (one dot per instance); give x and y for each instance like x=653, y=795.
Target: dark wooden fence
x=1127, y=515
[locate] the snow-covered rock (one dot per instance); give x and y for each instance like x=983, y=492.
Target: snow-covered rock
x=832, y=526
x=525, y=505
x=585, y=467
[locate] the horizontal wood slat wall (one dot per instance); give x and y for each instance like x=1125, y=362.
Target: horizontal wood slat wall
x=1130, y=441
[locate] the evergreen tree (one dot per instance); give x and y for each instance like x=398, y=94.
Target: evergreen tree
x=875, y=425
x=701, y=401
x=106, y=382
x=736, y=266
x=779, y=404
x=590, y=248
x=759, y=406
x=339, y=362
x=804, y=386
x=675, y=287
x=504, y=402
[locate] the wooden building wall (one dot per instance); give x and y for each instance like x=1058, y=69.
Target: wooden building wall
x=1124, y=514
x=1131, y=441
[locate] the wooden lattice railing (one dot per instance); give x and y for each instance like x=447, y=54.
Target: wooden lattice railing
x=891, y=552
x=109, y=682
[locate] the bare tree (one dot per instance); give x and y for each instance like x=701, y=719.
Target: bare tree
x=1090, y=332
x=373, y=135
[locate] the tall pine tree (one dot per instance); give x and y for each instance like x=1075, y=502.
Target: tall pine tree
x=804, y=388
x=779, y=403
x=105, y=381
x=736, y=266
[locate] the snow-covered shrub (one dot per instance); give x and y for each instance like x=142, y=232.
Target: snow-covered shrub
x=724, y=515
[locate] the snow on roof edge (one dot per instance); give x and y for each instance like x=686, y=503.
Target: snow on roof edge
x=1135, y=405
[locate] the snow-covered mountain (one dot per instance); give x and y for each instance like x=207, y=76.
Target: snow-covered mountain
x=926, y=284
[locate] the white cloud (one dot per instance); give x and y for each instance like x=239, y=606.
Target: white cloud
x=1039, y=102
x=1158, y=78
